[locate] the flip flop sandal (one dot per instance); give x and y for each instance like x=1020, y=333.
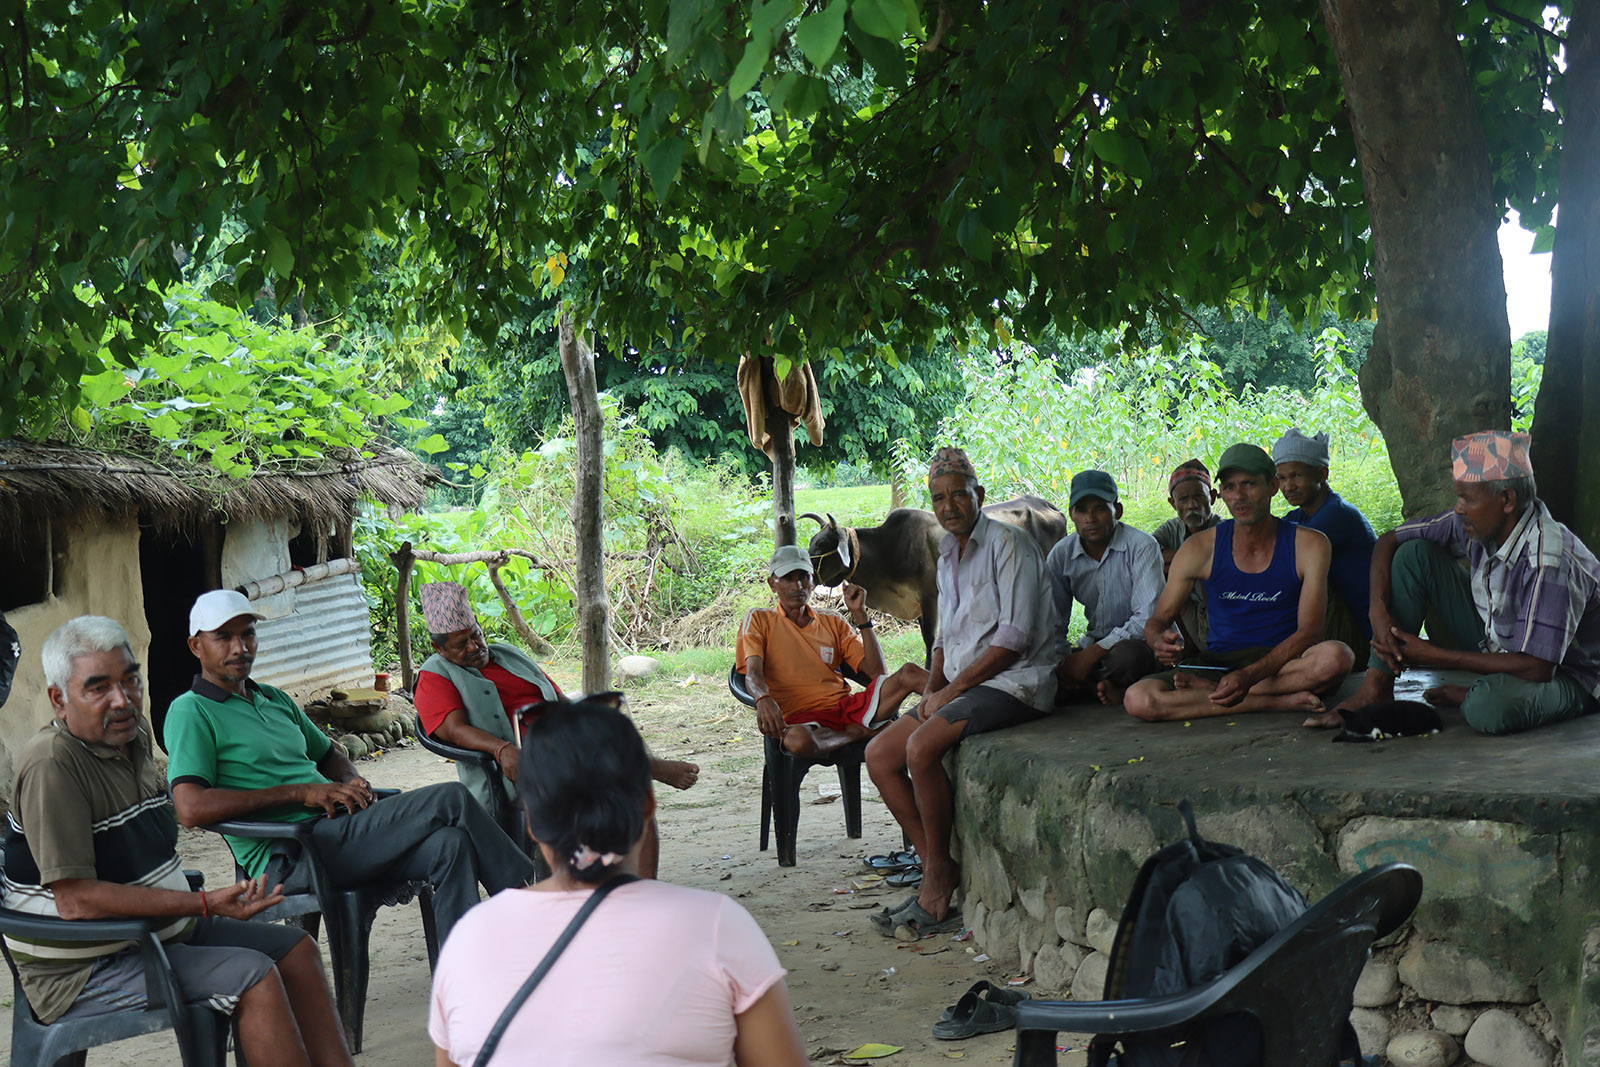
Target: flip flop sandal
x=885, y=920
x=897, y=907
x=919, y=923
x=972, y=1015
x=894, y=861
x=989, y=991
x=906, y=879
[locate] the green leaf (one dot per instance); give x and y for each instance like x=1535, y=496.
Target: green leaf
x=1544, y=240
x=818, y=34
x=279, y=256
x=748, y=72
x=434, y=444
x=663, y=160
x=881, y=18
x=1121, y=151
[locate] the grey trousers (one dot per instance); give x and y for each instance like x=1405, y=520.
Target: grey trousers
x=437, y=834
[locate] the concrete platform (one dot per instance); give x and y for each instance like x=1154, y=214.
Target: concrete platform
x=1053, y=820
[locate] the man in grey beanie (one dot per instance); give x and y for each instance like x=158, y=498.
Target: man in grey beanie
x=1303, y=473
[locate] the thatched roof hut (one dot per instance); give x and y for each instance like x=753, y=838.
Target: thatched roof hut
x=87, y=532
x=56, y=481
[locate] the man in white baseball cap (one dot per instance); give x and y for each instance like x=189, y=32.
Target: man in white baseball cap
x=239, y=749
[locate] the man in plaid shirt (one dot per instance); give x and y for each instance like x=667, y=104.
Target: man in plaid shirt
x=1525, y=614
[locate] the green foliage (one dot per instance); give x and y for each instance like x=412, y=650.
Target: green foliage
x=678, y=536
x=219, y=388
x=1143, y=414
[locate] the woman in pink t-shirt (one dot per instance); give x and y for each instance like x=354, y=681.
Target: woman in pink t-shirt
x=659, y=975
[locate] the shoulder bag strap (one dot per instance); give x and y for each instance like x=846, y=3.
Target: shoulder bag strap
x=492, y=1042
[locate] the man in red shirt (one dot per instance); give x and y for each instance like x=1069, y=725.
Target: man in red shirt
x=469, y=691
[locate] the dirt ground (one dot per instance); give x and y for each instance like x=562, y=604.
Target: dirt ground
x=849, y=985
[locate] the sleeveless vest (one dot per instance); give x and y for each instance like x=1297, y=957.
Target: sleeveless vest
x=1252, y=610
x=484, y=710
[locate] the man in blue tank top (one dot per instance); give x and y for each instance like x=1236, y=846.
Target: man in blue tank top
x=1266, y=597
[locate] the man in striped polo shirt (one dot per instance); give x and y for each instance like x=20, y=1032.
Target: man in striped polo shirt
x=91, y=835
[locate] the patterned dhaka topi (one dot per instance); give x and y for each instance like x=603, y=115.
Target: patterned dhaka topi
x=1490, y=456
x=950, y=460
x=1189, y=468
x=445, y=607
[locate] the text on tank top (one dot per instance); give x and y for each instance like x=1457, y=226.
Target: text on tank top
x=1251, y=610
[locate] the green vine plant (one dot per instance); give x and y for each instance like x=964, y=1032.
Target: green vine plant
x=220, y=389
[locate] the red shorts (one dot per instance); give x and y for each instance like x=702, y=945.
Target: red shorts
x=856, y=709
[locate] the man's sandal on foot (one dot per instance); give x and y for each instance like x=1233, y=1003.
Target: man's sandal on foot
x=915, y=921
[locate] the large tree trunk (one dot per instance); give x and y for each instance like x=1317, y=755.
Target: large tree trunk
x=594, y=610
x=1440, y=362
x=1566, y=424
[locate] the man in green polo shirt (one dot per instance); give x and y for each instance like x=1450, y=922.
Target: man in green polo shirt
x=91, y=836
x=239, y=749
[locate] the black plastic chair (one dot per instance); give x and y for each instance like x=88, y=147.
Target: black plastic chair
x=783, y=773
x=202, y=1034
x=506, y=812
x=349, y=913
x=1299, y=985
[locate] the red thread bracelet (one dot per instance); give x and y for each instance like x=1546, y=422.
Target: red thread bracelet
x=205, y=912
x=503, y=746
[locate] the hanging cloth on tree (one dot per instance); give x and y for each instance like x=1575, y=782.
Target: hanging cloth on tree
x=797, y=396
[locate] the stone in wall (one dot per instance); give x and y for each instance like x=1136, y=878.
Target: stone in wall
x=1500, y=1039
x=1090, y=981
x=1453, y=1019
x=1378, y=985
x=1282, y=836
x=1372, y=1030
x=1438, y=970
x=1033, y=902
x=1030, y=939
x=1055, y=965
x=1423, y=1048
x=1000, y=939
x=1100, y=931
x=987, y=877
x=1070, y=926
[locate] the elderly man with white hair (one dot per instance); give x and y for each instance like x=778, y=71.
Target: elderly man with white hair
x=1302, y=462
x=240, y=749
x=90, y=835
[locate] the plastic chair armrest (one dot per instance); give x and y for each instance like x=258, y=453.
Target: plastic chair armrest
x=1120, y=1016
x=261, y=829
x=19, y=924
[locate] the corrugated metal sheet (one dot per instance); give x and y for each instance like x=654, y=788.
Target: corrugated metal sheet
x=325, y=641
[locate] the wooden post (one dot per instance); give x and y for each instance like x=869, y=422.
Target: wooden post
x=594, y=609
x=782, y=434
x=403, y=561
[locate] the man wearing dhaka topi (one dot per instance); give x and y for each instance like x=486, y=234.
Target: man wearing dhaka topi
x=1525, y=615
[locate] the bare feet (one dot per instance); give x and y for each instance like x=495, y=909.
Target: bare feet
x=674, y=772
x=1110, y=695
x=1375, y=687
x=1324, y=721
x=935, y=893
x=1185, y=680
x=1307, y=702
x=1446, y=696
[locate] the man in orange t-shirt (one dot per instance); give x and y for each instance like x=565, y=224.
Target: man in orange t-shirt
x=791, y=656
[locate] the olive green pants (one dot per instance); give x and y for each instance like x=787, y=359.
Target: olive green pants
x=1429, y=585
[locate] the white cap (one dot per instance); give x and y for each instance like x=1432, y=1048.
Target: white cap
x=213, y=609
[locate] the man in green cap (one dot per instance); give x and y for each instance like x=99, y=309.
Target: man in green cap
x=1266, y=596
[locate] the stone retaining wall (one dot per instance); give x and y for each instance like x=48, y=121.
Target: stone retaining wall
x=1500, y=965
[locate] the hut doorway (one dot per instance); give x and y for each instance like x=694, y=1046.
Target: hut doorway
x=174, y=568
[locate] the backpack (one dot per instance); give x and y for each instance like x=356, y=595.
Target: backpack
x=1197, y=908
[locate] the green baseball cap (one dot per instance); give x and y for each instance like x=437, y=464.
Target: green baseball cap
x=1092, y=483
x=1252, y=459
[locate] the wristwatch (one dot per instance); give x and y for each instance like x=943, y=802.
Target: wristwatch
x=864, y=625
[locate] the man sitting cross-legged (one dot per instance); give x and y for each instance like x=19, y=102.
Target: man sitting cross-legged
x=1303, y=472
x=90, y=835
x=1266, y=594
x=791, y=656
x=993, y=666
x=1526, y=616
x=242, y=750
x=1191, y=496
x=1114, y=571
